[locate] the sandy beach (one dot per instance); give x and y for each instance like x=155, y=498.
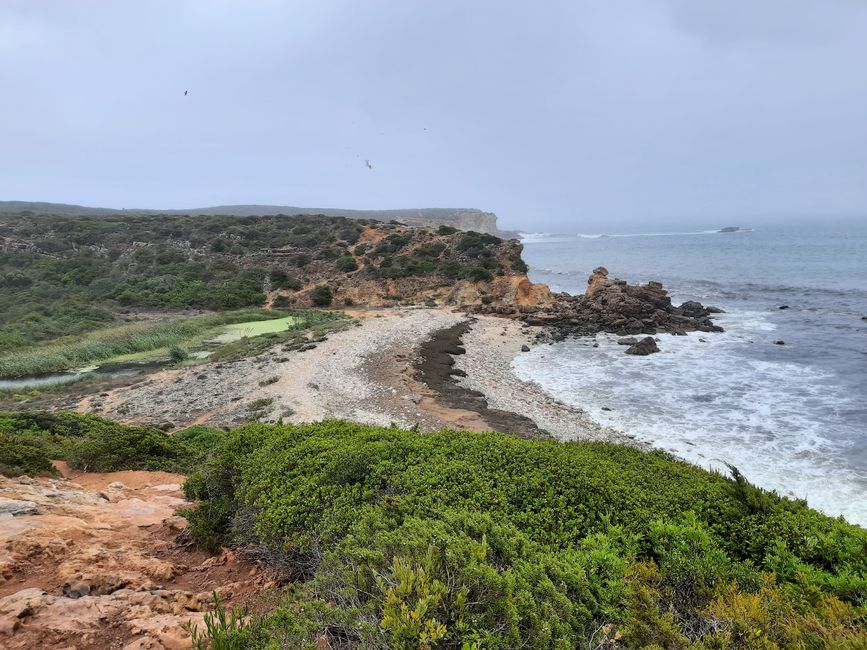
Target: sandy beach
x=374, y=373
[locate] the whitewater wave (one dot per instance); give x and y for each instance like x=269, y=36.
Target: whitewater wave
x=717, y=402
x=659, y=234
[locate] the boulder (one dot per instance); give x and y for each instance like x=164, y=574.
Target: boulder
x=525, y=348
x=693, y=309
x=627, y=341
x=17, y=507
x=645, y=346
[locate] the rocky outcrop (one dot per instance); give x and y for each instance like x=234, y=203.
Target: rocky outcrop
x=612, y=305
x=642, y=348
x=102, y=565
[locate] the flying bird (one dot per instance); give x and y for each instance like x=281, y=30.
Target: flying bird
x=369, y=164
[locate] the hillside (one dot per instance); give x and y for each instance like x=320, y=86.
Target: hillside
x=461, y=218
x=62, y=275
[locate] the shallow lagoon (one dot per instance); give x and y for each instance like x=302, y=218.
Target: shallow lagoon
x=132, y=364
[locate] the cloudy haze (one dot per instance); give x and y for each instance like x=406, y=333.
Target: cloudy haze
x=555, y=115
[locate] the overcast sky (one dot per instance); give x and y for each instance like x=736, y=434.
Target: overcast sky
x=554, y=115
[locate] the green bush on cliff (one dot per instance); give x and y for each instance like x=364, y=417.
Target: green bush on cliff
x=346, y=264
x=321, y=295
x=29, y=440
x=403, y=540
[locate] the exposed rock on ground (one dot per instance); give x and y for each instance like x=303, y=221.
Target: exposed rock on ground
x=99, y=566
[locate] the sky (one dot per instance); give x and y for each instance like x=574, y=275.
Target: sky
x=558, y=116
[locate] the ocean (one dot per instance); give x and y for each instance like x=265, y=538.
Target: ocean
x=791, y=418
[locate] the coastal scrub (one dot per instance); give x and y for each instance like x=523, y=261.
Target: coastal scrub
x=396, y=539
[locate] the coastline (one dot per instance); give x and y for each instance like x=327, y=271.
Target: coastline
x=396, y=366
x=491, y=344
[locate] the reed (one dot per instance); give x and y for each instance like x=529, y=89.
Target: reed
x=112, y=342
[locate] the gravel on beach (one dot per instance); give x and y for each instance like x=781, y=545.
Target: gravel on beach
x=367, y=374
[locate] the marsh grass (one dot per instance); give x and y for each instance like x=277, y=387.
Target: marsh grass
x=127, y=339
x=307, y=326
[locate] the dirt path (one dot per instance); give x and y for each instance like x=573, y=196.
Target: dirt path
x=92, y=561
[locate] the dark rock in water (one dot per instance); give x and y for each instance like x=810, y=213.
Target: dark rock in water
x=644, y=347
x=605, y=408
x=595, y=345
x=525, y=348
x=730, y=229
x=702, y=340
x=779, y=342
x=864, y=318
x=714, y=310
x=783, y=307
x=627, y=341
x=693, y=309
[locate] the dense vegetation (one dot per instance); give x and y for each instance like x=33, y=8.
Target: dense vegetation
x=394, y=539
x=29, y=441
x=65, y=275
x=69, y=275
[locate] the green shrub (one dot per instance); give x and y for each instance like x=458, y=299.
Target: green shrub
x=222, y=632
x=282, y=280
x=178, y=354
x=90, y=443
x=200, y=439
x=346, y=264
x=446, y=230
x=128, y=448
x=407, y=540
x=321, y=295
x=476, y=274
x=19, y=457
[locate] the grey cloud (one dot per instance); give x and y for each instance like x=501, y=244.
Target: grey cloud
x=555, y=115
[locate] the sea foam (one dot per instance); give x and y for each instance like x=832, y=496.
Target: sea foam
x=715, y=403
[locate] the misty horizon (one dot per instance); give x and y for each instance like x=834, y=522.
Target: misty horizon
x=582, y=117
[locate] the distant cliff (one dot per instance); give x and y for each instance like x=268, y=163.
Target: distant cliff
x=461, y=218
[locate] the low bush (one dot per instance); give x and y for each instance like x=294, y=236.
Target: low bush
x=403, y=540
x=19, y=457
x=89, y=443
x=346, y=264
x=321, y=295
x=476, y=274
x=120, y=447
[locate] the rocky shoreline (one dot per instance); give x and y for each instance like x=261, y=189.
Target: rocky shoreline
x=614, y=306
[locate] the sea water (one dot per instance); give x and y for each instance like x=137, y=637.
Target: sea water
x=793, y=417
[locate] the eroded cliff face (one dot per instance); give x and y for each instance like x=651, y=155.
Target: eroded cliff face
x=402, y=265
x=475, y=220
